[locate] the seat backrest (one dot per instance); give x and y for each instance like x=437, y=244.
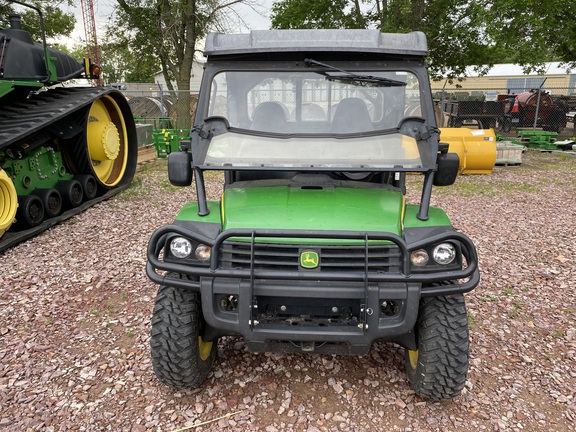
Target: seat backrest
x=269, y=117
x=351, y=115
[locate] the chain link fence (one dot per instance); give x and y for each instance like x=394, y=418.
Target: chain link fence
x=162, y=108
x=506, y=111
x=163, y=117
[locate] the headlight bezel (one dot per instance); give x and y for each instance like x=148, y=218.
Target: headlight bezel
x=432, y=265
x=198, y=253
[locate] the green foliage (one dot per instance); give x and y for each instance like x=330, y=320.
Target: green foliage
x=76, y=51
x=57, y=23
x=128, y=49
x=120, y=64
x=460, y=33
x=532, y=32
x=317, y=14
x=155, y=35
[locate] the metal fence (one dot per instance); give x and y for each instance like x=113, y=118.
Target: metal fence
x=163, y=117
x=506, y=111
x=162, y=108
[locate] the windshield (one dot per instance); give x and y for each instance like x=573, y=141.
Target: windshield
x=321, y=119
x=367, y=153
x=307, y=102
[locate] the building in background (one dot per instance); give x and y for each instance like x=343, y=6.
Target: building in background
x=510, y=79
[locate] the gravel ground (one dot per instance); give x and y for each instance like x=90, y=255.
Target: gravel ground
x=75, y=308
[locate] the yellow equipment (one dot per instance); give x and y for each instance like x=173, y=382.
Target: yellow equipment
x=475, y=147
x=8, y=202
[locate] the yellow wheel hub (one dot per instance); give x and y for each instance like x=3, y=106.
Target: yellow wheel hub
x=413, y=356
x=107, y=141
x=8, y=202
x=205, y=348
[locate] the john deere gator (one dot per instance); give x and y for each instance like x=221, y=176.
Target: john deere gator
x=313, y=247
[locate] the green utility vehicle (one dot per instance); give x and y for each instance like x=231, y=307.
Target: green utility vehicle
x=312, y=247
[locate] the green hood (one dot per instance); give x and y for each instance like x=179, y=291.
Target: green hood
x=339, y=208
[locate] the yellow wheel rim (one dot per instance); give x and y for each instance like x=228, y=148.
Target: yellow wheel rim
x=413, y=356
x=107, y=140
x=8, y=202
x=205, y=348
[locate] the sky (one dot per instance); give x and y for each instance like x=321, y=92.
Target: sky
x=103, y=10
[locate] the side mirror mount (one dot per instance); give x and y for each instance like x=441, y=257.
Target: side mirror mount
x=180, y=168
x=448, y=165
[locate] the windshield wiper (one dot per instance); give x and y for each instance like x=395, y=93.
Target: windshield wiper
x=347, y=76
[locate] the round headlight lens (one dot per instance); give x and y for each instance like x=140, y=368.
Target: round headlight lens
x=180, y=247
x=419, y=257
x=444, y=253
x=203, y=252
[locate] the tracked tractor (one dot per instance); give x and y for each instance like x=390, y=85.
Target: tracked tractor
x=63, y=147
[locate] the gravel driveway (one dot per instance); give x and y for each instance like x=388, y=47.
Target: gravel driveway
x=75, y=308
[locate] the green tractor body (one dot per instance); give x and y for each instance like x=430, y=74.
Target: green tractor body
x=62, y=148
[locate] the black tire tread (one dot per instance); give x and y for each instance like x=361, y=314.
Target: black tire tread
x=176, y=324
x=442, y=331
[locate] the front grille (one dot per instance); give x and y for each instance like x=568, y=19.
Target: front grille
x=381, y=258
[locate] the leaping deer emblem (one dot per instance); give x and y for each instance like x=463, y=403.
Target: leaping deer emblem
x=309, y=259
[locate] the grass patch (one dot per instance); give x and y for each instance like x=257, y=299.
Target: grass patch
x=155, y=166
x=169, y=187
x=472, y=321
x=134, y=190
x=513, y=312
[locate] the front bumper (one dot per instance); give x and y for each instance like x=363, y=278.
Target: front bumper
x=327, y=310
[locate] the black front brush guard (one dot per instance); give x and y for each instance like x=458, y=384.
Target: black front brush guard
x=404, y=275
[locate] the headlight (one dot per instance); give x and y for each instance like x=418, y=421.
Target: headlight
x=419, y=257
x=203, y=252
x=180, y=247
x=444, y=253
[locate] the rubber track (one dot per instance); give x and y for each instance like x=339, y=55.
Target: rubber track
x=25, y=117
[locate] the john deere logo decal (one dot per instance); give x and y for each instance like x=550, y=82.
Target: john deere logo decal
x=309, y=259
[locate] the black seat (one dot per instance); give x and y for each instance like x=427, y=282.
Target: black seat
x=351, y=116
x=269, y=117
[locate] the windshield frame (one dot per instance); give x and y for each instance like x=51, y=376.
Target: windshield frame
x=374, y=65
x=237, y=150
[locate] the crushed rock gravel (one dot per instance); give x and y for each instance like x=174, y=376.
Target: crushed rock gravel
x=75, y=309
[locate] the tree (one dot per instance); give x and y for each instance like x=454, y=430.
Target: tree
x=120, y=64
x=453, y=26
x=460, y=33
x=532, y=32
x=316, y=14
x=170, y=30
x=56, y=22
